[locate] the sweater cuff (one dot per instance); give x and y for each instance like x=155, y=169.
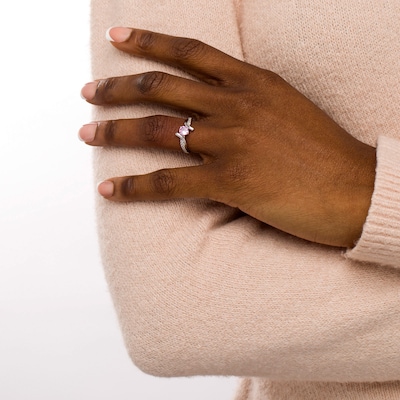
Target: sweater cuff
x=380, y=239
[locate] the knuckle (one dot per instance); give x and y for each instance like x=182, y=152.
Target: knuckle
x=183, y=48
x=144, y=40
x=246, y=102
x=110, y=132
x=228, y=182
x=150, y=82
x=163, y=182
x=128, y=187
x=152, y=130
x=271, y=79
x=106, y=89
x=233, y=175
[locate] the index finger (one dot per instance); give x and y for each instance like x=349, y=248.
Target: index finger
x=193, y=56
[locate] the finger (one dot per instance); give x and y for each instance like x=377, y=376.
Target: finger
x=187, y=182
x=197, y=58
x=154, y=87
x=157, y=131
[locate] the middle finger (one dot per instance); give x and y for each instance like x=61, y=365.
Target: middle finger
x=154, y=87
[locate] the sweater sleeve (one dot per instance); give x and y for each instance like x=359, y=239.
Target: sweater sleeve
x=380, y=240
x=202, y=290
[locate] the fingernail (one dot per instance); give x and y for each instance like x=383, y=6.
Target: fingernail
x=89, y=91
x=106, y=188
x=118, y=35
x=88, y=132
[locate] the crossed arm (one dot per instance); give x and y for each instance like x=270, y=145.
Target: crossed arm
x=199, y=290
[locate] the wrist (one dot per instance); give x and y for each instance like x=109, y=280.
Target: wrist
x=358, y=200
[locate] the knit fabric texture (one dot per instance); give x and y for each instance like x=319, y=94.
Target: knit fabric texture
x=202, y=290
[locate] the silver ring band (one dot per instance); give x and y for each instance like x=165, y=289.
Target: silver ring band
x=183, y=131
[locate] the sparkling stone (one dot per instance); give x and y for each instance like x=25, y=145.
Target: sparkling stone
x=184, y=130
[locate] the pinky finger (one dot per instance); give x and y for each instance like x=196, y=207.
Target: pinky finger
x=186, y=182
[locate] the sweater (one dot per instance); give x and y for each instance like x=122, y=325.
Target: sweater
x=202, y=290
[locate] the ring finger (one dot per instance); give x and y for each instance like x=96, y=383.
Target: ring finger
x=157, y=131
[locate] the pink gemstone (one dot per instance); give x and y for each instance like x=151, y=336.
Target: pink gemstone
x=184, y=130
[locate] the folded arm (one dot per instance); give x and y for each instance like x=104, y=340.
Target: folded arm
x=201, y=288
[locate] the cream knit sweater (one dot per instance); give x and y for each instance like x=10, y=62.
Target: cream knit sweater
x=200, y=290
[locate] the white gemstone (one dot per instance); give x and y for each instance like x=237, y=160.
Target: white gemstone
x=183, y=130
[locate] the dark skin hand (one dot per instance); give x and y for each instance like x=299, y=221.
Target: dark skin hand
x=265, y=148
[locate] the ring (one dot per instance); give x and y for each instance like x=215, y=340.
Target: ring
x=183, y=131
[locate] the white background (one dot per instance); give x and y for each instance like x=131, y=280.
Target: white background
x=59, y=338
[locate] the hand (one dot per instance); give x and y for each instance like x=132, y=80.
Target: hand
x=265, y=148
